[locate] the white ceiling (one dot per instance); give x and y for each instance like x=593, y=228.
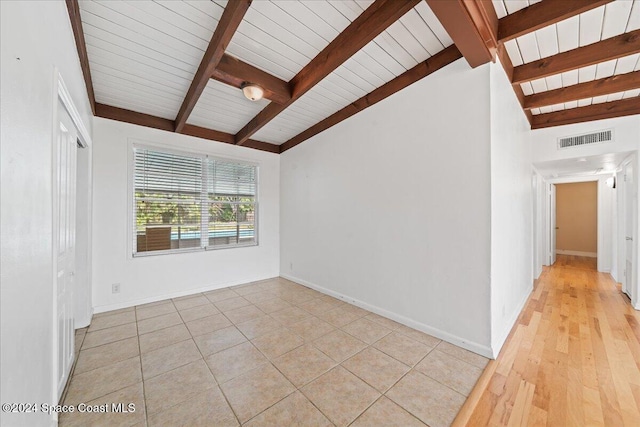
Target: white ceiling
x=604, y=164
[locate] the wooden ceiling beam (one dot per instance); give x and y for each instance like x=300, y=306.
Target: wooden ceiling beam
x=78, y=34
x=229, y=21
x=605, y=86
x=147, y=120
x=605, y=50
x=473, y=26
x=543, y=14
x=234, y=72
x=437, y=61
x=374, y=20
x=605, y=110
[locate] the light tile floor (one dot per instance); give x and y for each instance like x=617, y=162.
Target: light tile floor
x=269, y=353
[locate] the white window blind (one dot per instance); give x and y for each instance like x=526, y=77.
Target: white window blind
x=190, y=202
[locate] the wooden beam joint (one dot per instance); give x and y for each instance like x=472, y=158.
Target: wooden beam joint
x=234, y=72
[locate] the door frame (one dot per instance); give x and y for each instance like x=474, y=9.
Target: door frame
x=606, y=208
x=62, y=96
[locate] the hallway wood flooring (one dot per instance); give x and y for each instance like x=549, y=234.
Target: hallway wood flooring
x=573, y=358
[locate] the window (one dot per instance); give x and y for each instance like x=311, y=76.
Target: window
x=188, y=202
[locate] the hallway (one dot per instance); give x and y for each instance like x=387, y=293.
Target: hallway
x=572, y=359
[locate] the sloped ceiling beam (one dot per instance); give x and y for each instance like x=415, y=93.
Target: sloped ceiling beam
x=605, y=50
x=606, y=110
x=541, y=15
x=229, y=21
x=472, y=25
x=374, y=20
x=78, y=34
x=234, y=72
x=437, y=61
x=605, y=86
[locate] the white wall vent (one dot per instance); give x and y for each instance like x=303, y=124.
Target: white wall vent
x=586, y=139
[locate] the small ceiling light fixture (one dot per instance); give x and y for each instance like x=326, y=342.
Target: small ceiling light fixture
x=252, y=91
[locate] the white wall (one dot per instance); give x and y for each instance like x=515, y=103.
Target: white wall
x=511, y=208
x=391, y=207
x=150, y=278
x=626, y=134
x=35, y=38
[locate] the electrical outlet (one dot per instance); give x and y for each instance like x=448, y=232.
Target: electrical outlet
x=115, y=288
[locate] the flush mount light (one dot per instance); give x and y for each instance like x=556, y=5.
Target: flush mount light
x=252, y=91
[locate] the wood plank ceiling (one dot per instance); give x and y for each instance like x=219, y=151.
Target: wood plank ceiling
x=178, y=65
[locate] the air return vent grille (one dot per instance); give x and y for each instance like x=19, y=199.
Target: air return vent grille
x=586, y=139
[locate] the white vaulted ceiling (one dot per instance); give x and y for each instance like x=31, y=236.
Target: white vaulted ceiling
x=143, y=56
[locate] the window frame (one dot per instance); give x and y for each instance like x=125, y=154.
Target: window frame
x=203, y=155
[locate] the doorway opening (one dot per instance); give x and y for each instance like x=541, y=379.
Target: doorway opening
x=576, y=229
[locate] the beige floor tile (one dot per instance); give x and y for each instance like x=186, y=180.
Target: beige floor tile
x=311, y=328
x=154, y=311
x=387, y=323
x=244, y=314
x=277, y=343
x=339, y=345
x=317, y=306
x=339, y=316
x=427, y=399
x=163, y=337
x=152, y=304
x=297, y=298
x=104, y=355
x=303, y=364
x=340, y=395
x=208, y=324
x=235, y=361
x=112, y=320
x=450, y=371
x=220, y=294
x=251, y=288
x=335, y=302
x=231, y=304
x=199, y=312
x=366, y=330
x=376, y=368
x=109, y=335
x=219, y=340
x=190, y=302
x=102, y=381
x=164, y=359
x=258, y=327
x=159, y=322
x=290, y=315
x=208, y=408
x=464, y=355
x=361, y=312
x=256, y=390
x=179, y=385
x=294, y=410
x=260, y=296
x=122, y=399
x=415, y=335
x=112, y=312
x=402, y=348
x=385, y=413
x=269, y=306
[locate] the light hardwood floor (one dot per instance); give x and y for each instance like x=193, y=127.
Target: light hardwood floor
x=573, y=358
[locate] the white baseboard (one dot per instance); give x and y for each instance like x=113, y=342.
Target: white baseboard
x=453, y=339
x=576, y=253
x=510, y=323
x=126, y=304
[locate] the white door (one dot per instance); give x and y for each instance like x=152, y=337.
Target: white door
x=630, y=201
x=64, y=246
x=552, y=224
